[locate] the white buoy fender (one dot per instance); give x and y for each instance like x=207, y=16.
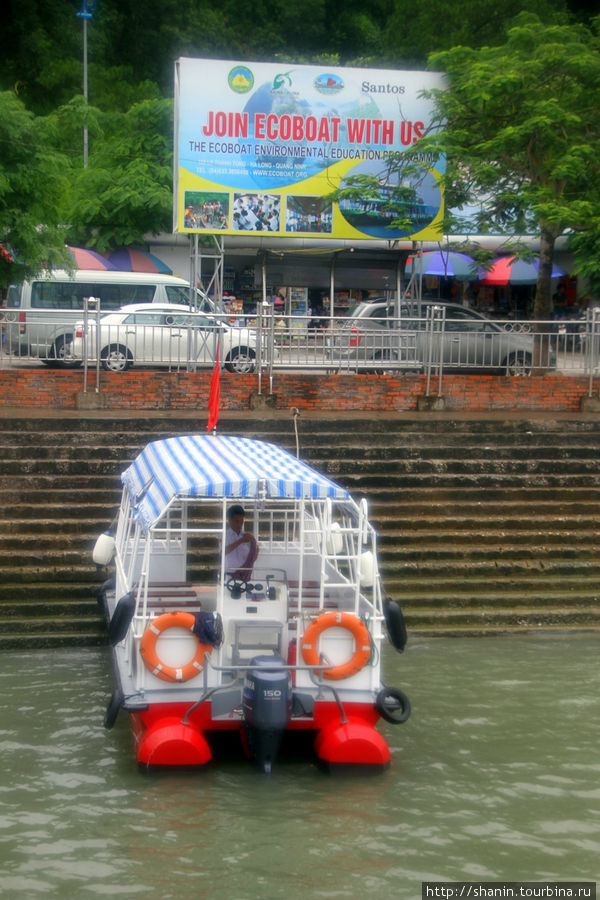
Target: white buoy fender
x=366, y=568
x=104, y=549
x=335, y=541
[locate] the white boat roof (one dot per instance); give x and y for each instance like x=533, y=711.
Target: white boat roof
x=218, y=466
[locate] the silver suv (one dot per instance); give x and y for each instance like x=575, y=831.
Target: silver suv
x=459, y=338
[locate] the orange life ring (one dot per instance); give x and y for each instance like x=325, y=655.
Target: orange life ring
x=362, y=653
x=151, y=658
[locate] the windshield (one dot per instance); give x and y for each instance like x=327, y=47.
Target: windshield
x=352, y=310
x=13, y=297
x=181, y=295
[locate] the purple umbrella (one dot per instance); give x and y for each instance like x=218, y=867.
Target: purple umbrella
x=445, y=264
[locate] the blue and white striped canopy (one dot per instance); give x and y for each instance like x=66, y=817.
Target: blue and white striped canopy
x=218, y=466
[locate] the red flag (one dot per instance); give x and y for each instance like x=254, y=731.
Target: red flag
x=214, y=395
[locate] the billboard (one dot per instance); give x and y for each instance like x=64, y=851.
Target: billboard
x=260, y=147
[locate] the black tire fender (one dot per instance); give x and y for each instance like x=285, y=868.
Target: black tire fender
x=394, y=623
x=112, y=710
x=105, y=587
x=387, y=702
x=121, y=618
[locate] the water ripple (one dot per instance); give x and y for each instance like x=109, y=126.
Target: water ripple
x=494, y=777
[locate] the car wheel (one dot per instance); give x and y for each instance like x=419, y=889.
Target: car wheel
x=519, y=363
x=57, y=358
x=241, y=360
x=116, y=358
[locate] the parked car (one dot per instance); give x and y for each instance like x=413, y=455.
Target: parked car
x=461, y=339
x=42, y=312
x=163, y=335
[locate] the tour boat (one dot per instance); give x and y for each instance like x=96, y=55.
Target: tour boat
x=288, y=650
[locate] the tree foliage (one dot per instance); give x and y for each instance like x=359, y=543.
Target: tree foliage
x=520, y=125
x=125, y=191
x=33, y=182
x=415, y=30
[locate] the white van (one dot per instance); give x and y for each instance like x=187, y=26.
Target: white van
x=40, y=314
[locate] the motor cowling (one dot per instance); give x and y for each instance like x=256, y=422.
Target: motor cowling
x=267, y=703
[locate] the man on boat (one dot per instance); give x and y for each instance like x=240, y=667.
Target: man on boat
x=241, y=548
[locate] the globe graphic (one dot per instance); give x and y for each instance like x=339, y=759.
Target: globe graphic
x=298, y=96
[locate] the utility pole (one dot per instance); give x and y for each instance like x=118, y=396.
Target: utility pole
x=86, y=12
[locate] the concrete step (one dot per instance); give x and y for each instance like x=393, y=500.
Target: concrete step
x=20, y=488
x=475, y=630
x=348, y=467
x=467, y=558
x=348, y=449
x=52, y=571
x=523, y=617
x=458, y=494
x=85, y=606
x=61, y=592
x=170, y=423
x=456, y=583
x=78, y=636
x=490, y=568
x=551, y=516
x=49, y=538
x=485, y=526
x=46, y=624
x=480, y=532
x=464, y=599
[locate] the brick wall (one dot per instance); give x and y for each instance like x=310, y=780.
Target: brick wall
x=144, y=389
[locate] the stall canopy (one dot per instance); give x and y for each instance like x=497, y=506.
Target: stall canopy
x=129, y=260
x=89, y=260
x=218, y=466
x=444, y=264
x=510, y=270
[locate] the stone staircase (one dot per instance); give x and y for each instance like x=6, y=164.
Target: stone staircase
x=485, y=526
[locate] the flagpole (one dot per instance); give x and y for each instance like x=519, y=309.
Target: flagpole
x=214, y=396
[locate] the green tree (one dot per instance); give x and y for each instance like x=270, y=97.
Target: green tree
x=520, y=125
x=34, y=182
x=126, y=189
x=416, y=30
x=585, y=246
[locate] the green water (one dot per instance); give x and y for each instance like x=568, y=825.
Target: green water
x=495, y=777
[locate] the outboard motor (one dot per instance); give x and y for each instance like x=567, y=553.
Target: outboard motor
x=267, y=707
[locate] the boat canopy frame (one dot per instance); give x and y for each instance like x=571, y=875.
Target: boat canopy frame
x=333, y=542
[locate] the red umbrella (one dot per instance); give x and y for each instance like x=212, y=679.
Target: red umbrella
x=510, y=270
x=128, y=260
x=90, y=260
x=5, y=255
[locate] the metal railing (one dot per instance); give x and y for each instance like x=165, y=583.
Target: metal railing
x=432, y=344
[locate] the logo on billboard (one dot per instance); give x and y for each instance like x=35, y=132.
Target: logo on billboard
x=241, y=79
x=328, y=84
x=282, y=81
